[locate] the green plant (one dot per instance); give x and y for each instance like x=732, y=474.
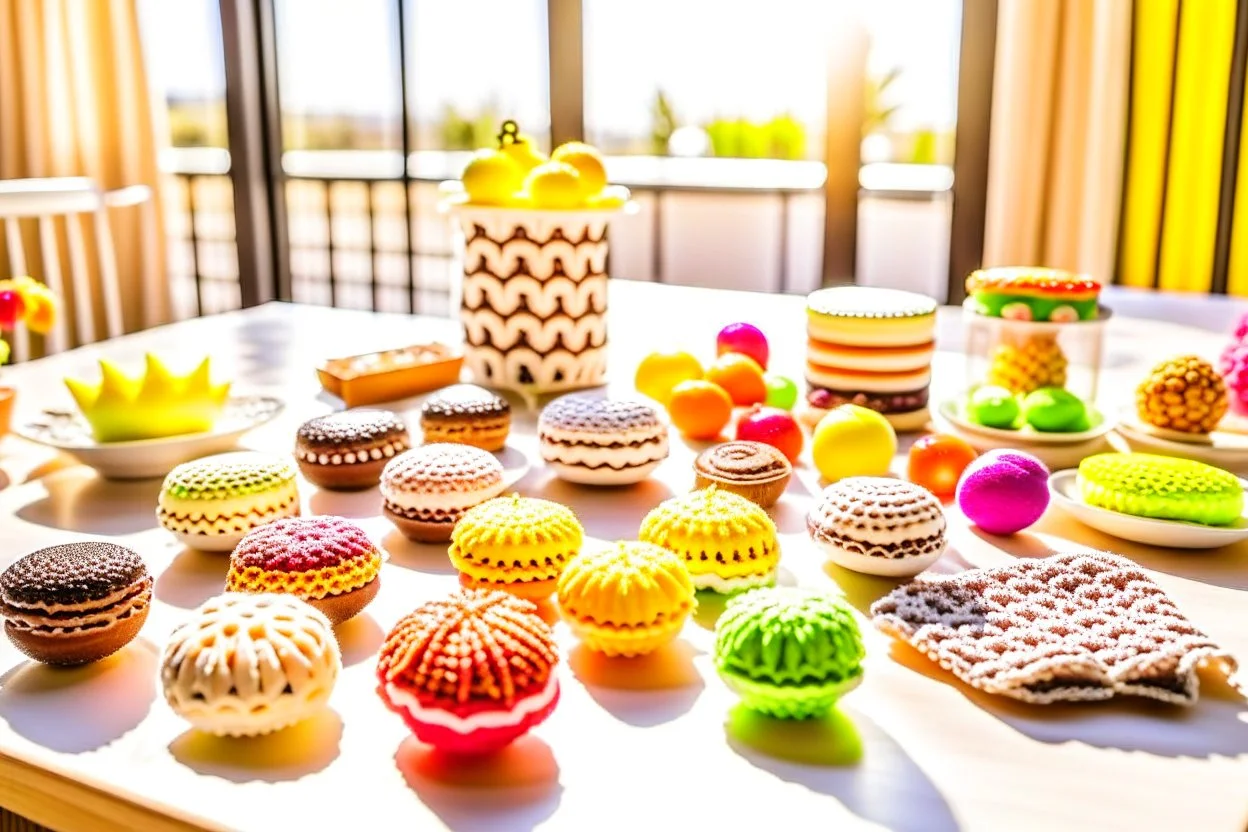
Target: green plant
x=663, y=121
x=782, y=137
x=876, y=114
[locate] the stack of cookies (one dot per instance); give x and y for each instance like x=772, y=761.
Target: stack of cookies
x=871, y=347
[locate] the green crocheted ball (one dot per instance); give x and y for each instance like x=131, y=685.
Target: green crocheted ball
x=225, y=476
x=789, y=652
x=1168, y=488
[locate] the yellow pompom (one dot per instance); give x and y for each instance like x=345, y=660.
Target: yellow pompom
x=588, y=163
x=555, y=186
x=491, y=178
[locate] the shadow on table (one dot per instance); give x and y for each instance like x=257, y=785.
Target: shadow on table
x=191, y=578
x=359, y=639
x=845, y=756
x=1214, y=727
x=349, y=504
x=80, y=709
x=789, y=518
x=711, y=604
x=515, y=788
x=80, y=501
x=302, y=749
x=607, y=512
x=645, y=690
x=419, y=557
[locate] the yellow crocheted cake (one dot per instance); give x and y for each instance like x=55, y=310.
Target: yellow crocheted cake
x=628, y=599
x=728, y=543
x=517, y=544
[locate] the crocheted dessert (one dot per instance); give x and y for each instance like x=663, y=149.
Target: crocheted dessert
x=1233, y=367
x=1029, y=364
x=728, y=542
x=517, y=544
x=348, y=450
x=1032, y=294
x=789, y=652
x=213, y=502
x=467, y=414
x=628, y=599
x=1183, y=394
x=756, y=471
x=1164, y=487
x=313, y=558
x=471, y=672
x=1074, y=627
x=427, y=489
x=596, y=441
x=250, y=664
x=878, y=525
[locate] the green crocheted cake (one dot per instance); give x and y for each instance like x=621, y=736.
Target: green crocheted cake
x=789, y=652
x=1167, y=488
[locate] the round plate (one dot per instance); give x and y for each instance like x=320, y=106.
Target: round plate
x=1223, y=448
x=1176, y=534
x=144, y=458
x=515, y=465
x=951, y=410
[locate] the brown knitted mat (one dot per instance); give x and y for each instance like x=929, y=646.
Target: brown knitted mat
x=1066, y=628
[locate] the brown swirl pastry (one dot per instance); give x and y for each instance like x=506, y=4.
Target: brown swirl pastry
x=754, y=470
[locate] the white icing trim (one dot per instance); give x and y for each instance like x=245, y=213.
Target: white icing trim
x=712, y=581
x=446, y=501
x=590, y=455
x=485, y=719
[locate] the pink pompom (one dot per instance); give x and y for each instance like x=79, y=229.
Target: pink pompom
x=1241, y=328
x=1004, y=492
x=1233, y=366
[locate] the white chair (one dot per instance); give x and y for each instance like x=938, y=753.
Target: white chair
x=70, y=199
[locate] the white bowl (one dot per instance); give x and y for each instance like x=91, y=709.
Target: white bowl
x=1176, y=534
x=1222, y=448
x=147, y=458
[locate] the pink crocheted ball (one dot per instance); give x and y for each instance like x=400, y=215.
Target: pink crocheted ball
x=1241, y=328
x=1004, y=492
x=1233, y=365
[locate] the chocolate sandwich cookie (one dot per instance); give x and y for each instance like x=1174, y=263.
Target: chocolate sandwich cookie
x=427, y=490
x=347, y=450
x=468, y=415
x=878, y=525
x=75, y=603
x=595, y=441
x=754, y=470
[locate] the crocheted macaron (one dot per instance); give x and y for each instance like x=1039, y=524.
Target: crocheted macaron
x=347, y=450
x=1167, y=488
x=467, y=414
x=517, y=544
x=755, y=470
x=878, y=525
x=596, y=441
x=209, y=504
x=426, y=490
x=789, y=652
x=327, y=561
x=75, y=603
x=245, y=665
x=627, y=599
x=728, y=543
x=470, y=673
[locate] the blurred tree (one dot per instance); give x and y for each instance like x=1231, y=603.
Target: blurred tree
x=876, y=113
x=664, y=121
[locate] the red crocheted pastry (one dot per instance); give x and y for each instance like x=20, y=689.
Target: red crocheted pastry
x=470, y=673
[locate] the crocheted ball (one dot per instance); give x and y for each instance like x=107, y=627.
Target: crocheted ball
x=1241, y=328
x=789, y=652
x=1004, y=492
x=1233, y=365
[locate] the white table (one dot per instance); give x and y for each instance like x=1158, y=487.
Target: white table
x=631, y=745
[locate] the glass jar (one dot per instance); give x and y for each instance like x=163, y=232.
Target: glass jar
x=1023, y=356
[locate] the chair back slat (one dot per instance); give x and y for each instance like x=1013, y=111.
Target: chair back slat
x=50, y=251
x=108, y=272
x=80, y=279
x=19, y=339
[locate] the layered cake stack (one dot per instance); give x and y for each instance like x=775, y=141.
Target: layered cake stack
x=871, y=347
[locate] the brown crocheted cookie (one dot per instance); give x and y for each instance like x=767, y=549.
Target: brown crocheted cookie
x=1066, y=628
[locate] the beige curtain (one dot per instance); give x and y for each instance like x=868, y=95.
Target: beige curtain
x=1058, y=134
x=75, y=101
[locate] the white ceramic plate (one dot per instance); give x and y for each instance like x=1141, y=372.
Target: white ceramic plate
x=951, y=411
x=1225, y=449
x=146, y=458
x=1175, y=534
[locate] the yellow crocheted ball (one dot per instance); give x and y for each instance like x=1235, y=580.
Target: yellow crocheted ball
x=517, y=544
x=628, y=599
x=728, y=543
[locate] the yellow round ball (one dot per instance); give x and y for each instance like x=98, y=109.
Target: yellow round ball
x=491, y=178
x=588, y=163
x=555, y=186
x=853, y=441
x=524, y=152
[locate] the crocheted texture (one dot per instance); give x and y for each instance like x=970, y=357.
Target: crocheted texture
x=1165, y=487
x=441, y=468
x=510, y=539
x=719, y=534
x=1184, y=394
x=743, y=463
x=352, y=436
x=1069, y=627
x=627, y=599
x=1035, y=363
x=472, y=651
x=464, y=400
x=787, y=651
x=225, y=476
x=591, y=415
x=311, y=557
x=250, y=664
x=1233, y=366
x=878, y=517
x=869, y=302
x=74, y=573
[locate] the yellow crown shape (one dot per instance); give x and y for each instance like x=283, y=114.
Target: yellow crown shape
x=158, y=403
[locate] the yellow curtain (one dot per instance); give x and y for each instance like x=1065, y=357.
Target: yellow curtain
x=74, y=101
x=1058, y=122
